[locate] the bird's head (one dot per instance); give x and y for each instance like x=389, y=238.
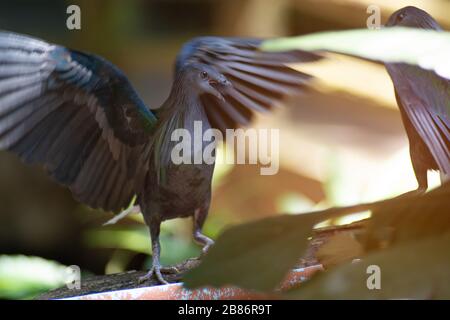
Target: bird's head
x=412, y=17
x=205, y=79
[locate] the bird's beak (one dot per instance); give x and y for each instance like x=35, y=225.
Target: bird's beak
x=213, y=88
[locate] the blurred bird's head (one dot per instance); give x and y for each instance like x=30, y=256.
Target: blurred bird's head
x=412, y=17
x=205, y=79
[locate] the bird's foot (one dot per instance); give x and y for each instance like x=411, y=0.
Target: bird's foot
x=207, y=246
x=156, y=272
x=203, y=240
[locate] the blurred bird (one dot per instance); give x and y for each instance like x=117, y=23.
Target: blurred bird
x=424, y=102
x=78, y=115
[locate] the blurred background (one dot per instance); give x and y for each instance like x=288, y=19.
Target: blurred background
x=340, y=143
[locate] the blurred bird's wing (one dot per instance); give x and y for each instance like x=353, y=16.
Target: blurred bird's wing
x=78, y=115
x=426, y=99
x=259, y=79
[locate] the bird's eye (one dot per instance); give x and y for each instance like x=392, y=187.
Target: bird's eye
x=204, y=74
x=401, y=16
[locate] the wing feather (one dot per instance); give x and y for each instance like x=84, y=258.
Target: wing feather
x=77, y=115
x=426, y=99
x=259, y=79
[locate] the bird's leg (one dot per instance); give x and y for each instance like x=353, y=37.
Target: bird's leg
x=156, y=269
x=199, y=219
x=422, y=180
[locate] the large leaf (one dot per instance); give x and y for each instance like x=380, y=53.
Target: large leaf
x=392, y=223
x=407, y=220
x=414, y=270
x=257, y=255
x=428, y=49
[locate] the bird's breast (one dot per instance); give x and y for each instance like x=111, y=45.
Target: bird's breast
x=180, y=191
x=182, y=169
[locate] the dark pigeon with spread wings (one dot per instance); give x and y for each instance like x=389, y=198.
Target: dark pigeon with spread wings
x=424, y=101
x=78, y=116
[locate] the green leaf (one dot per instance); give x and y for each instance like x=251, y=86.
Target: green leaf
x=414, y=270
x=135, y=239
x=23, y=276
x=428, y=49
x=256, y=255
x=406, y=219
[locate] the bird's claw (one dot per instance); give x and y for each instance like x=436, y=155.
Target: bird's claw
x=157, y=271
x=206, y=247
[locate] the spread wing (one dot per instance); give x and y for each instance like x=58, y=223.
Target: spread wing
x=259, y=79
x=78, y=115
x=426, y=99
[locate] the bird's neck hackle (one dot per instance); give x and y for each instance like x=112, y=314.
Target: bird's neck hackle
x=182, y=98
x=180, y=110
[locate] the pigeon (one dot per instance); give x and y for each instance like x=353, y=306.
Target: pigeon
x=423, y=98
x=77, y=115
